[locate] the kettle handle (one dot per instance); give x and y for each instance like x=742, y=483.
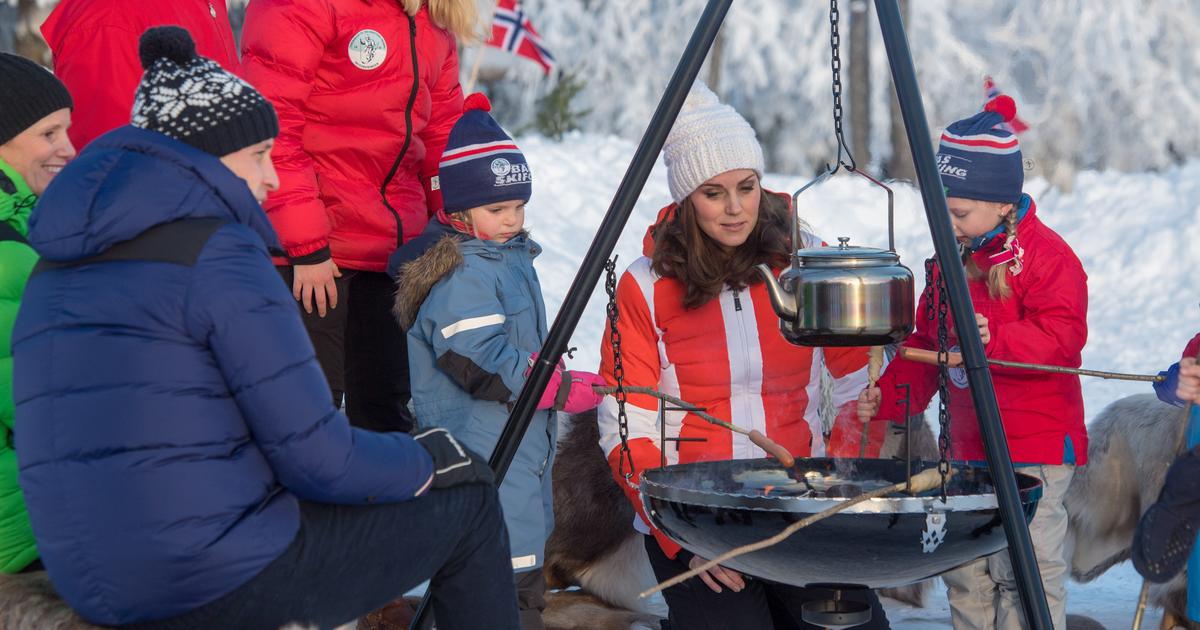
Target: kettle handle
x=826, y=175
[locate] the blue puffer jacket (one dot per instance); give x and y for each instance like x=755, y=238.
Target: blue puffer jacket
x=468, y=351
x=169, y=417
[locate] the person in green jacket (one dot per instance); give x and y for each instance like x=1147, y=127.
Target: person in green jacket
x=35, y=112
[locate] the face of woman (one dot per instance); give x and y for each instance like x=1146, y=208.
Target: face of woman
x=973, y=218
x=727, y=206
x=41, y=151
x=253, y=164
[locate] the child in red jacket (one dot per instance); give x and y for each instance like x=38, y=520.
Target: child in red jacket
x=1030, y=295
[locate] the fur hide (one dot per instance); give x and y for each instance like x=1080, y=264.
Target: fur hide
x=418, y=277
x=1132, y=443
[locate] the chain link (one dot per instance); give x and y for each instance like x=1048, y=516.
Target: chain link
x=610, y=287
x=935, y=285
x=835, y=63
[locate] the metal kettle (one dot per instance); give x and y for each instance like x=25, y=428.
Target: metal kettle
x=844, y=295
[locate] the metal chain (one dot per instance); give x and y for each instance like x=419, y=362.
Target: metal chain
x=934, y=278
x=610, y=287
x=835, y=63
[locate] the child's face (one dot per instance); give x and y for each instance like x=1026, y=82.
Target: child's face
x=500, y=221
x=973, y=218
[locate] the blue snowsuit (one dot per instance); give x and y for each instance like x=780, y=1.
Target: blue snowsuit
x=468, y=352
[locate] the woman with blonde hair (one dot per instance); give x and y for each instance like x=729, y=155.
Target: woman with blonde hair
x=366, y=93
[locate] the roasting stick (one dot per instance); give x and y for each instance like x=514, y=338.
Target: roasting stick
x=955, y=360
x=772, y=448
x=926, y=480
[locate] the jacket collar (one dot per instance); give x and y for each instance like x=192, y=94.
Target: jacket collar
x=16, y=198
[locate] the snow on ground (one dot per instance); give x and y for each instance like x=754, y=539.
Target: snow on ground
x=1130, y=231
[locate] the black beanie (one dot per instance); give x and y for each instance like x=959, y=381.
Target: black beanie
x=194, y=100
x=29, y=93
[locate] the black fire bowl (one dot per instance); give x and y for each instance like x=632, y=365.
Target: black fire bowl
x=712, y=507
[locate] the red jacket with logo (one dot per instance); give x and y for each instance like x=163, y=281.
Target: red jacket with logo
x=1044, y=322
x=366, y=98
x=727, y=357
x=95, y=46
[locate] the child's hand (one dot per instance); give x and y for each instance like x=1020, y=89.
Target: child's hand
x=1189, y=381
x=868, y=403
x=984, y=333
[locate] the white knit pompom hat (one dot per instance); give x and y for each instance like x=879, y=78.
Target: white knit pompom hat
x=709, y=138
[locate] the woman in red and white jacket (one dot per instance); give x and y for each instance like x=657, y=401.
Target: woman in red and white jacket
x=696, y=322
x=1029, y=291
x=366, y=94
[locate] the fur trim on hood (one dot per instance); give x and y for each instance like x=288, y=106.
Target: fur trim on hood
x=418, y=276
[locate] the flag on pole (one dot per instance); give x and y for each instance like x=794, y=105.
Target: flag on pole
x=513, y=32
x=1017, y=126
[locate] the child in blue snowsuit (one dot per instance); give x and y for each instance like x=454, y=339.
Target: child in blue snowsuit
x=473, y=309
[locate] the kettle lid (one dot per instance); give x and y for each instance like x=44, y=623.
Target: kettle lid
x=846, y=255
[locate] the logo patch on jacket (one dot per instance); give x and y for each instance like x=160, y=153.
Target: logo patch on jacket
x=368, y=49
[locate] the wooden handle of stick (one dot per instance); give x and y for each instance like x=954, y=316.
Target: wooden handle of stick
x=930, y=357
x=925, y=480
x=773, y=448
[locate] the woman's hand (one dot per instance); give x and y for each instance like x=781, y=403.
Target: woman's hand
x=1189, y=381
x=868, y=403
x=313, y=285
x=984, y=333
x=718, y=575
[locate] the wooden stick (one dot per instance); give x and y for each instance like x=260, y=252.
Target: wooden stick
x=874, y=365
x=1141, y=605
x=955, y=360
x=772, y=448
x=926, y=480
x=474, y=69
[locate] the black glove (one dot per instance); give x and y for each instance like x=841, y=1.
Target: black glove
x=1167, y=532
x=453, y=463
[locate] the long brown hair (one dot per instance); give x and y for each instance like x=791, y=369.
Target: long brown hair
x=460, y=17
x=997, y=275
x=683, y=251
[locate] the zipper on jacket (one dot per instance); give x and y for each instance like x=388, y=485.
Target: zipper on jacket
x=737, y=301
x=412, y=99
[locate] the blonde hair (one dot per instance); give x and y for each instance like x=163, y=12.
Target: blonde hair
x=997, y=276
x=460, y=17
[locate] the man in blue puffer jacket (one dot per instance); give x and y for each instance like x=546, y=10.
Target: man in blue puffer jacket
x=181, y=457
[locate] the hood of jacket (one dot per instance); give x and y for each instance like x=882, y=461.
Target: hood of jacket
x=130, y=180
x=419, y=275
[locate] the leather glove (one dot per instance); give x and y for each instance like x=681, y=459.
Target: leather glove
x=453, y=463
x=1165, y=535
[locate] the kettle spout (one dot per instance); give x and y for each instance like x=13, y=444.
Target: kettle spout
x=785, y=308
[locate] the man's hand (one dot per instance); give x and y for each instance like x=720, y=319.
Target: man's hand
x=314, y=286
x=868, y=403
x=1189, y=381
x=718, y=575
x=453, y=463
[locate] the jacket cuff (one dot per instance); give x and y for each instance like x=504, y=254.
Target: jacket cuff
x=311, y=258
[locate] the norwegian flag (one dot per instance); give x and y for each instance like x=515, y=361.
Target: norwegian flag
x=1017, y=126
x=513, y=32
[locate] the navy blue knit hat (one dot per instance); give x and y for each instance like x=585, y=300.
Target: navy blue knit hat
x=979, y=158
x=481, y=165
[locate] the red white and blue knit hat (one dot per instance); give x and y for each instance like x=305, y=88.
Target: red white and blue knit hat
x=979, y=158
x=481, y=164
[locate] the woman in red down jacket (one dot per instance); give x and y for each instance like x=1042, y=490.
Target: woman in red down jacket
x=366, y=91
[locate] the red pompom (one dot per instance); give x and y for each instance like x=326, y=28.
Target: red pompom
x=477, y=101
x=1003, y=105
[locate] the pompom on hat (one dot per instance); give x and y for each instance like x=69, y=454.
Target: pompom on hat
x=979, y=158
x=709, y=138
x=195, y=100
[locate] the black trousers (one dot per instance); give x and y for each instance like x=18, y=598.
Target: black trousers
x=762, y=605
x=348, y=560
x=362, y=350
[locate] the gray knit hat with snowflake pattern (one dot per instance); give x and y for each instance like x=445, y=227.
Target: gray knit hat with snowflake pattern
x=196, y=101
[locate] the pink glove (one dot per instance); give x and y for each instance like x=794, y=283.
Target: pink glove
x=571, y=391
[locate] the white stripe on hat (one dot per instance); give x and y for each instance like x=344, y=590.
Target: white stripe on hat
x=450, y=154
x=982, y=143
x=509, y=149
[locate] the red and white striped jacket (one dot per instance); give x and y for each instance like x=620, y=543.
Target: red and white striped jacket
x=727, y=357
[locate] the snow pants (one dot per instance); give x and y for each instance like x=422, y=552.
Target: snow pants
x=983, y=594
